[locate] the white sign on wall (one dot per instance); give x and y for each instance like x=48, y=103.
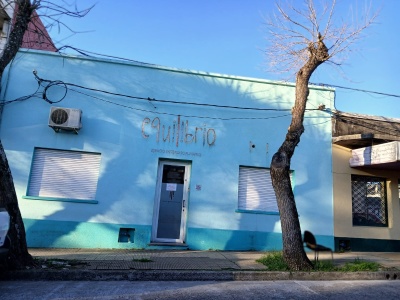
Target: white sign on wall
x=374, y=155
x=171, y=187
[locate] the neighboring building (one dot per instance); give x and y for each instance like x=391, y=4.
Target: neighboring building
x=6, y=14
x=366, y=165
x=35, y=37
x=156, y=156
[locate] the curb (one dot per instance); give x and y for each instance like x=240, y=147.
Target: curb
x=165, y=275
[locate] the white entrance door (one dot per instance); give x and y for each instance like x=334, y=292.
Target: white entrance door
x=169, y=223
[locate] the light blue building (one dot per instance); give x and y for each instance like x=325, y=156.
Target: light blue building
x=114, y=154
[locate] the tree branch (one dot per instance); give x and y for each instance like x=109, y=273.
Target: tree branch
x=295, y=31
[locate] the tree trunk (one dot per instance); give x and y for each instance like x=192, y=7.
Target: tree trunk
x=18, y=255
x=293, y=249
x=24, y=11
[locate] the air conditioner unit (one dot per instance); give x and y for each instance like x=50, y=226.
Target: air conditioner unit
x=65, y=119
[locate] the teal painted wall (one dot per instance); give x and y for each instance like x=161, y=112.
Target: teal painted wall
x=214, y=239
x=68, y=234
x=94, y=235
x=128, y=132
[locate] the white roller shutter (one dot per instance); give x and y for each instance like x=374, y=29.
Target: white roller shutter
x=255, y=190
x=64, y=174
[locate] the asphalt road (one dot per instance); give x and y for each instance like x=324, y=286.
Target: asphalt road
x=62, y=290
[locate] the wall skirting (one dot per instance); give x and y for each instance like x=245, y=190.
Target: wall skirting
x=366, y=245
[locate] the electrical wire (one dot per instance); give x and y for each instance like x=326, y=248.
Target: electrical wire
x=386, y=131
x=85, y=53
x=182, y=115
x=59, y=82
x=35, y=94
x=51, y=84
x=357, y=90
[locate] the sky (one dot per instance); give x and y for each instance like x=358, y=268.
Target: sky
x=229, y=36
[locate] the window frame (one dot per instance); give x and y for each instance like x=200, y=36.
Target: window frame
x=41, y=170
x=382, y=196
x=267, y=191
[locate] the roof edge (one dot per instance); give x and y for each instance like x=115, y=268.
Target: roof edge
x=171, y=69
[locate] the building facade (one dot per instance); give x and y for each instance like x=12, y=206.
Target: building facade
x=366, y=164
x=113, y=154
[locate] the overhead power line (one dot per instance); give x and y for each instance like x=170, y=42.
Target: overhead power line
x=357, y=90
x=51, y=83
x=94, y=54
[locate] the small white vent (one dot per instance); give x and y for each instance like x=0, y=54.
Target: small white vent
x=65, y=118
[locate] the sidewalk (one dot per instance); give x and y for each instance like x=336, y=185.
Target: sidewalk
x=115, y=259
x=100, y=259
x=115, y=264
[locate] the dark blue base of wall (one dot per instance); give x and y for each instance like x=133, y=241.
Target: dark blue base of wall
x=366, y=245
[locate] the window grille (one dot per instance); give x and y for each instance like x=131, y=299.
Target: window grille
x=369, y=201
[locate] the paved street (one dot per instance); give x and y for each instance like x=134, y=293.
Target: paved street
x=63, y=290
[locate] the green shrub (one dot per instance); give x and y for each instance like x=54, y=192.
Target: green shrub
x=274, y=262
x=360, y=265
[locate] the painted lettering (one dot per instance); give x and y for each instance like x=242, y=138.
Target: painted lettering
x=188, y=136
x=195, y=133
x=179, y=132
x=167, y=138
x=156, y=124
x=144, y=123
x=204, y=135
x=211, y=133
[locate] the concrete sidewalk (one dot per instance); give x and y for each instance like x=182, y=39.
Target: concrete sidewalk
x=115, y=264
x=101, y=259
x=116, y=259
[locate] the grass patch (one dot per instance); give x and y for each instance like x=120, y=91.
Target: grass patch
x=274, y=262
x=359, y=265
x=56, y=263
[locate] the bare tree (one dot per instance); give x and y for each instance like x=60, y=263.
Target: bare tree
x=26, y=28
x=301, y=39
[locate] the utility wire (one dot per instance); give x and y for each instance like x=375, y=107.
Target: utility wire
x=357, y=90
x=65, y=84
x=187, y=116
x=367, y=125
x=85, y=53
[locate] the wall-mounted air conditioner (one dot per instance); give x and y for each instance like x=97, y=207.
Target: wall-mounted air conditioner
x=65, y=119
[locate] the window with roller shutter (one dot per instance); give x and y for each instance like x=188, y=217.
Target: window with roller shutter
x=256, y=193
x=64, y=175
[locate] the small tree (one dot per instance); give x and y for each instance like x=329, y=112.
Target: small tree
x=300, y=40
x=26, y=19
